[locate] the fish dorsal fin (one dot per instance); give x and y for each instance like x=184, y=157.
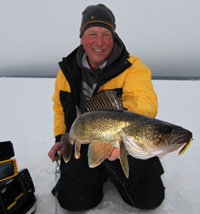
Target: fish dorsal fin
x=106, y=100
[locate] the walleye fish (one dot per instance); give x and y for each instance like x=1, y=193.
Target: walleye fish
x=107, y=125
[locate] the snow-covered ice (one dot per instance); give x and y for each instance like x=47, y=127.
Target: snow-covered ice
x=26, y=119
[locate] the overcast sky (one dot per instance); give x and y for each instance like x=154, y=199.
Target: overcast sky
x=36, y=34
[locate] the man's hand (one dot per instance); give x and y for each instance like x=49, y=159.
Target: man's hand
x=56, y=148
x=114, y=154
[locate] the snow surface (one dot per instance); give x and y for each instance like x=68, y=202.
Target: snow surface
x=26, y=119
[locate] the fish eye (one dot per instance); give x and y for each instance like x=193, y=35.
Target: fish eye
x=165, y=129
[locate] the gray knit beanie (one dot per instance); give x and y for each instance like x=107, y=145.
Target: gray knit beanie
x=97, y=15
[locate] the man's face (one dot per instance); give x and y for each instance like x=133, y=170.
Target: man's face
x=98, y=44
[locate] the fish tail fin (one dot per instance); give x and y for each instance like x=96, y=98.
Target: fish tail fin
x=67, y=146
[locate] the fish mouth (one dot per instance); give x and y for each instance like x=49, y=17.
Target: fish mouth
x=184, y=138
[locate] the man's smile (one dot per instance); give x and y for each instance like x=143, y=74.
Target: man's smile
x=96, y=50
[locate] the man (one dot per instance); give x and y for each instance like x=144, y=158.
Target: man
x=102, y=62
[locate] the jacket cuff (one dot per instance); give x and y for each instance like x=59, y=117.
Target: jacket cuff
x=58, y=138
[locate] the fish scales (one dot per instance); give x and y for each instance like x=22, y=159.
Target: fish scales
x=103, y=126
x=141, y=136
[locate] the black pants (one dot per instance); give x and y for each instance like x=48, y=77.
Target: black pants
x=80, y=187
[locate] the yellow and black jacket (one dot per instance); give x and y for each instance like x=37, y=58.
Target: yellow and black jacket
x=127, y=75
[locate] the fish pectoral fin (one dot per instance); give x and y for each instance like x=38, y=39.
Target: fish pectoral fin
x=98, y=152
x=77, y=149
x=67, y=146
x=124, y=159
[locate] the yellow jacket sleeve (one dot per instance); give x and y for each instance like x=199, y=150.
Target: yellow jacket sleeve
x=61, y=84
x=138, y=94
